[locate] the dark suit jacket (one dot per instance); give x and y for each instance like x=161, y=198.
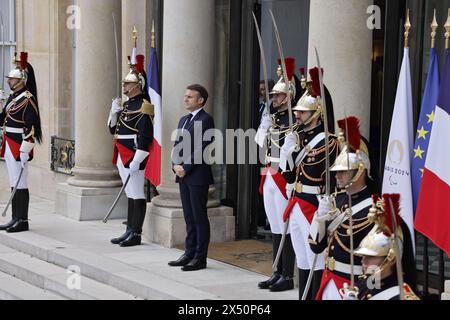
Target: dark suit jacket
x=189, y=154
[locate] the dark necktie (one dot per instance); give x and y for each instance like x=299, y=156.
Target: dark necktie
x=188, y=121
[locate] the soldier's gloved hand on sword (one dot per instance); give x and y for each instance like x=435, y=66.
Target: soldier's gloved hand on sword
x=24, y=157
x=139, y=156
x=349, y=293
x=3, y=99
x=291, y=143
x=327, y=208
x=266, y=122
x=116, y=107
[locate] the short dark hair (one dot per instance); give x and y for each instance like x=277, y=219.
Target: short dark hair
x=201, y=90
x=270, y=83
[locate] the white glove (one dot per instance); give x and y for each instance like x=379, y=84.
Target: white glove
x=24, y=157
x=348, y=293
x=326, y=205
x=134, y=167
x=289, y=189
x=290, y=144
x=115, y=109
x=266, y=122
x=3, y=99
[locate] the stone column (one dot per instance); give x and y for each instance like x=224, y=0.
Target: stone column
x=188, y=57
x=89, y=194
x=338, y=28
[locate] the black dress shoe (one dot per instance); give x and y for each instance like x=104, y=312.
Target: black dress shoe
x=121, y=238
x=133, y=240
x=8, y=225
x=283, y=284
x=194, y=265
x=19, y=226
x=181, y=262
x=266, y=284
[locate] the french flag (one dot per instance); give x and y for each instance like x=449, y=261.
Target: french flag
x=433, y=210
x=153, y=170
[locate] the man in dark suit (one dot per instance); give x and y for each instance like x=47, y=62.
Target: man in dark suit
x=194, y=177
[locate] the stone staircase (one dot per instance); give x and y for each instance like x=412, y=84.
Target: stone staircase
x=37, y=264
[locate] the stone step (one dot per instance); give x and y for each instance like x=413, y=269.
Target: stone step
x=47, y=276
x=108, y=271
x=12, y=288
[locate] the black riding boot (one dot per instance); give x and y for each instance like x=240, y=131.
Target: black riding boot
x=315, y=286
x=14, y=214
x=134, y=238
x=276, y=239
x=286, y=281
x=302, y=280
x=129, y=217
x=22, y=203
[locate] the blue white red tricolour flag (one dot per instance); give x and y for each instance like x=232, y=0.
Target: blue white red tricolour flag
x=153, y=170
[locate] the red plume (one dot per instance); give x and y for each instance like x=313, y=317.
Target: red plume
x=140, y=63
x=302, y=71
x=23, y=60
x=354, y=135
x=314, y=74
x=395, y=198
x=290, y=67
x=375, y=198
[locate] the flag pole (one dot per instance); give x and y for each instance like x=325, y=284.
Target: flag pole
x=153, y=35
x=447, y=33
x=434, y=26
x=407, y=29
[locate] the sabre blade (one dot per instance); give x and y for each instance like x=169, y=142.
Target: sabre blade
x=116, y=40
x=2, y=26
x=263, y=61
x=283, y=66
x=352, y=248
x=11, y=197
x=325, y=120
x=398, y=261
x=105, y=219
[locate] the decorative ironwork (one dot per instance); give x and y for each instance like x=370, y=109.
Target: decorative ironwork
x=62, y=155
x=1, y=139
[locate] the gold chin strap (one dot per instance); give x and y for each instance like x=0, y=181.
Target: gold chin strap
x=315, y=115
x=358, y=175
x=17, y=85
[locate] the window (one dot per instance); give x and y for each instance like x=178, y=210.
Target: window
x=7, y=38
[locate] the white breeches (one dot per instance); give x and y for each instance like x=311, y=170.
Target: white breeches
x=274, y=204
x=331, y=292
x=299, y=228
x=135, y=187
x=14, y=168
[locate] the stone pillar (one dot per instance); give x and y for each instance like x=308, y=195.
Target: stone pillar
x=188, y=57
x=446, y=294
x=338, y=29
x=90, y=193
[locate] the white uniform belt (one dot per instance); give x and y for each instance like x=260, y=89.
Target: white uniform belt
x=272, y=160
x=334, y=265
x=126, y=137
x=301, y=188
x=14, y=130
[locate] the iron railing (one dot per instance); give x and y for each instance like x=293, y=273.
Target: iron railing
x=62, y=155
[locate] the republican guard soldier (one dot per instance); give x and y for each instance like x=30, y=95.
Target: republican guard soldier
x=19, y=115
x=271, y=134
x=306, y=176
x=343, y=216
x=132, y=127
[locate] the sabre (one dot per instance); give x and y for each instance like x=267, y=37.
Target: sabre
x=398, y=261
x=2, y=26
x=327, y=162
x=116, y=40
x=263, y=61
x=289, y=102
x=352, y=257
x=283, y=66
x=105, y=220
x=12, y=193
